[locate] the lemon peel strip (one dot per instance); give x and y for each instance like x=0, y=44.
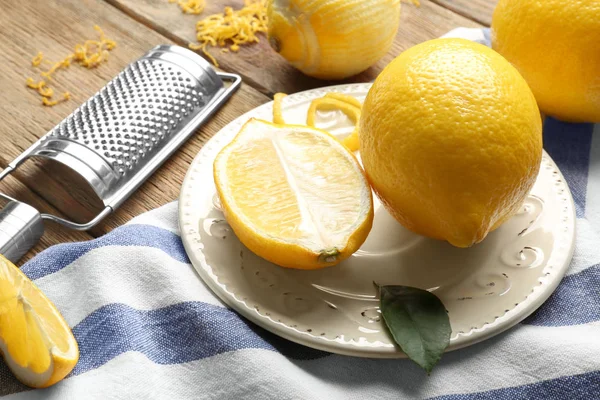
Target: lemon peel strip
x=331, y=103
x=345, y=98
x=277, y=115
x=351, y=141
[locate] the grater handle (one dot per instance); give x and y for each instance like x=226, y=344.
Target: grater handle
x=20, y=229
x=25, y=214
x=21, y=225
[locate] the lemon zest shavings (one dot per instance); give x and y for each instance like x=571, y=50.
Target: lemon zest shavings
x=190, y=6
x=89, y=55
x=37, y=60
x=40, y=86
x=49, y=103
x=45, y=91
x=231, y=28
x=31, y=83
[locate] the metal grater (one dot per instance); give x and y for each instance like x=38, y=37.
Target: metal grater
x=121, y=135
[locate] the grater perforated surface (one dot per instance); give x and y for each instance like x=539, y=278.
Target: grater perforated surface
x=127, y=120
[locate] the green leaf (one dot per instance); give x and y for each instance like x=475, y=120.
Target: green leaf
x=418, y=322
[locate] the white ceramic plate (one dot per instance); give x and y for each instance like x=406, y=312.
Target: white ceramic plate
x=487, y=288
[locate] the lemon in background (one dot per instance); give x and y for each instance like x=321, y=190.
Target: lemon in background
x=555, y=45
x=332, y=39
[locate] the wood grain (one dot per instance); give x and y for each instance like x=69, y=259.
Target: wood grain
x=477, y=10
x=264, y=69
x=25, y=29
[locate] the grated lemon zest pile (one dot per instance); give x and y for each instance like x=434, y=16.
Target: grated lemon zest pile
x=89, y=55
x=190, y=6
x=231, y=28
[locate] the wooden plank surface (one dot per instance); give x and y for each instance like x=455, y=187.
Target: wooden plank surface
x=264, y=69
x=477, y=10
x=26, y=28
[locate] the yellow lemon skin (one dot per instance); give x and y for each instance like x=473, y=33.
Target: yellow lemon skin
x=332, y=39
x=451, y=140
x=293, y=195
x=35, y=341
x=555, y=45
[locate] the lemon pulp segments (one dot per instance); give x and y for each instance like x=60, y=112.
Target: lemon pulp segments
x=293, y=194
x=36, y=342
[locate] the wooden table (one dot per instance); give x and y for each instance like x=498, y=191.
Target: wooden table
x=55, y=26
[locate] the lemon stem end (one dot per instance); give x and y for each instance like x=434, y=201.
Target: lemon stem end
x=328, y=256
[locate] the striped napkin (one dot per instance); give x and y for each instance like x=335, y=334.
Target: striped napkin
x=148, y=328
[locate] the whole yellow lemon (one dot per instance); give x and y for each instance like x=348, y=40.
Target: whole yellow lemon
x=555, y=45
x=332, y=39
x=451, y=140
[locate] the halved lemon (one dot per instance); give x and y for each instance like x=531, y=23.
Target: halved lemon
x=293, y=194
x=36, y=342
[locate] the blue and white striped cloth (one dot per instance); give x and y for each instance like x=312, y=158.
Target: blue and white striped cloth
x=148, y=328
